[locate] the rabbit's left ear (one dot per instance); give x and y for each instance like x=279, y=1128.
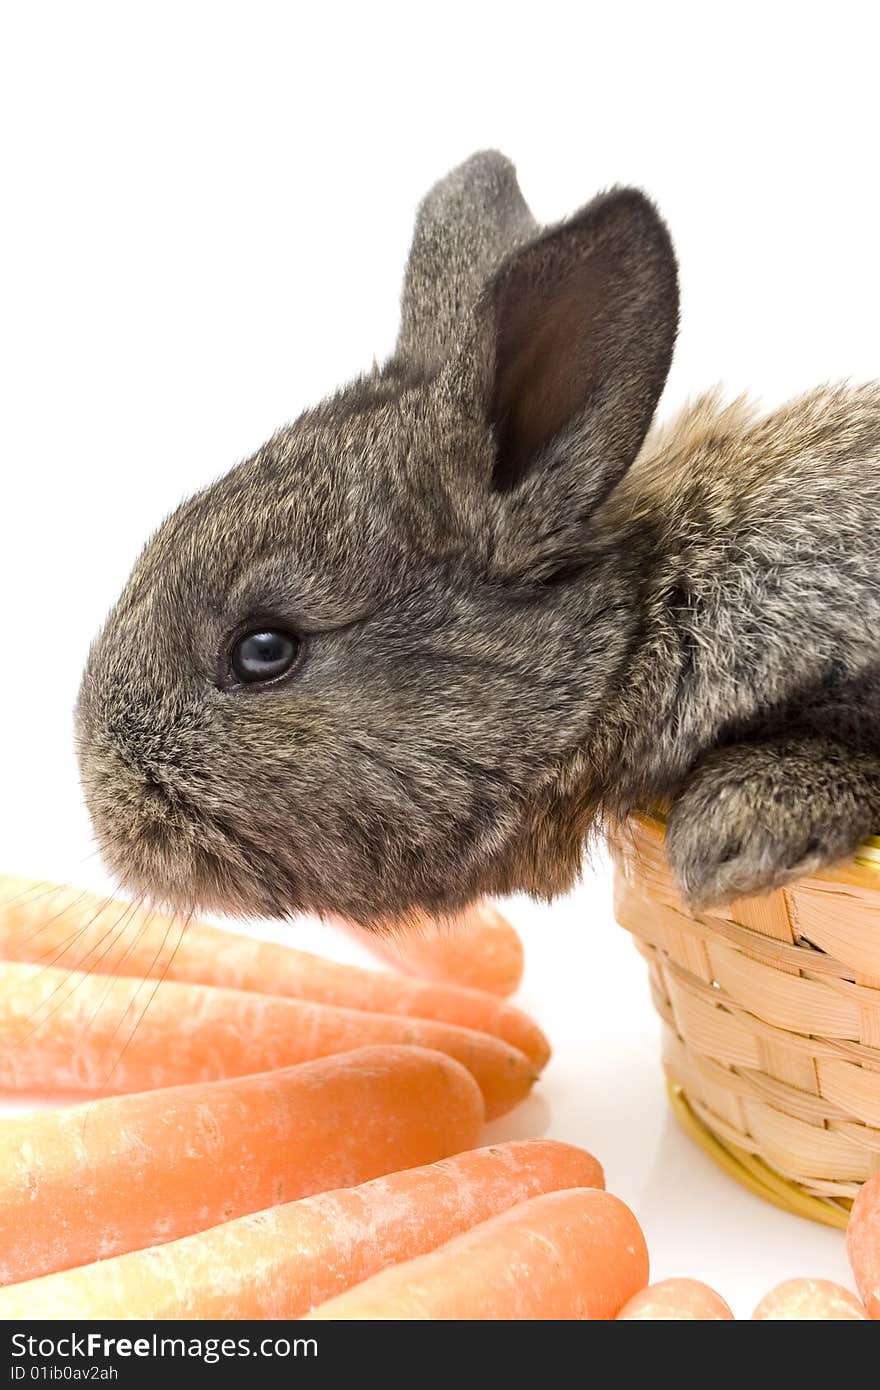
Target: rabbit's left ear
x=465, y=226
x=574, y=342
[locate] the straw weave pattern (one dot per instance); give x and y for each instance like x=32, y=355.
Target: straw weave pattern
x=770, y=1009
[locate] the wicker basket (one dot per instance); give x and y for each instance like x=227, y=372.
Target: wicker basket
x=771, y=1021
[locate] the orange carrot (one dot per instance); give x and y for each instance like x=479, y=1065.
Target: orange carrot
x=89, y=1181
x=809, y=1300
x=71, y=1031
x=478, y=948
x=282, y=1262
x=565, y=1255
x=676, y=1300
x=61, y=926
x=863, y=1244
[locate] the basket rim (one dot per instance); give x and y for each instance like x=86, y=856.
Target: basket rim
x=862, y=871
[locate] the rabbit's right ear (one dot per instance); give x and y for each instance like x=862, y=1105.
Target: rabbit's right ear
x=573, y=344
x=465, y=226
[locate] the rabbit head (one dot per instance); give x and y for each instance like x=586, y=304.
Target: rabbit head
x=347, y=676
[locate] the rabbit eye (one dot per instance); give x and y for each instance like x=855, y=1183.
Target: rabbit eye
x=264, y=655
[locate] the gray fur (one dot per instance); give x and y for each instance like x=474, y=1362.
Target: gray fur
x=465, y=227
x=513, y=633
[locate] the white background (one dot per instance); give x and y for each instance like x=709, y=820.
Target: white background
x=205, y=212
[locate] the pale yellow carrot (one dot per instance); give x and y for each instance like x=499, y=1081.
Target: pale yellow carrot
x=282, y=1262
x=809, y=1300
x=676, y=1300
x=562, y=1256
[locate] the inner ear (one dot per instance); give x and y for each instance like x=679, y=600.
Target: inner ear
x=549, y=346
x=580, y=325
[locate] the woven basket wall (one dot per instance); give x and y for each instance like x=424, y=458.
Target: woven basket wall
x=771, y=1020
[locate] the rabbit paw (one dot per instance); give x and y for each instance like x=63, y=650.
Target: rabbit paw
x=742, y=825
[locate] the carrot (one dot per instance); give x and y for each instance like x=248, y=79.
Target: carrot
x=564, y=1255
x=478, y=947
x=61, y=926
x=119, y=1174
x=72, y=1031
x=809, y=1300
x=675, y=1300
x=281, y=1262
x=863, y=1244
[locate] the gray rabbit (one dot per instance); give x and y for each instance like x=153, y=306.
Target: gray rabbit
x=436, y=632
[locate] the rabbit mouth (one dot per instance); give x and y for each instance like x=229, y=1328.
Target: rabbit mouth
x=187, y=859
x=240, y=871
x=227, y=871
x=208, y=873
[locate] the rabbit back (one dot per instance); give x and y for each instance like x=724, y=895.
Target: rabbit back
x=754, y=542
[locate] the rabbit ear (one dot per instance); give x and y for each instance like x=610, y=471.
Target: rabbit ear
x=575, y=338
x=464, y=227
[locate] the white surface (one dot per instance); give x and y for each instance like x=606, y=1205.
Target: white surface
x=206, y=210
